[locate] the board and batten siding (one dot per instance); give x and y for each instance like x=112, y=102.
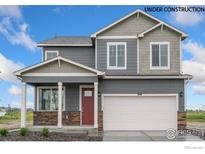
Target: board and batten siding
x=152, y=86
x=158, y=35
x=82, y=55
x=130, y=26
x=131, y=57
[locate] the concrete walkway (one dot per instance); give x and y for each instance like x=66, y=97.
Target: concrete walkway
x=144, y=136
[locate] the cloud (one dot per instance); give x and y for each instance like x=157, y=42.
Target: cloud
x=61, y=10
x=7, y=68
x=187, y=18
x=196, y=69
x=199, y=89
x=58, y=10
x=14, y=28
x=11, y=11
x=195, y=66
x=14, y=90
x=17, y=104
x=197, y=50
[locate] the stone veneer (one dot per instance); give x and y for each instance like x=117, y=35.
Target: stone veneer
x=45, y=118
x=100, y=121
x=71, y=118
x=181, y=120
x=51, y=118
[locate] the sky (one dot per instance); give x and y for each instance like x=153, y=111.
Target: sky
x=21, y=27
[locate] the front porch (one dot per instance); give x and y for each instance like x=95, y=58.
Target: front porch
x=69, y=111
x=66, y=94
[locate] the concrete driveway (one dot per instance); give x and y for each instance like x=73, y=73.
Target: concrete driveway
x=144, y=136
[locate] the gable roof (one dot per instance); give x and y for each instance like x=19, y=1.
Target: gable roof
x=67, y=41
x=184, y=35
x=19, y=72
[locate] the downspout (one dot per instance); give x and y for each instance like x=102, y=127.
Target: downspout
x=138, y=55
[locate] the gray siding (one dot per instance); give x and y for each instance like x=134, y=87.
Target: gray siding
x=131, y=56
x=166, y=86
x=83, y=55
x=71, y=97
x=130, y=27
x=53, y=67
x=145, y=86
x=156, y=36
x=56, y=79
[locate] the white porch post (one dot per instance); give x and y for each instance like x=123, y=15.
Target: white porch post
x=59, y=104
x=95, y=104
x=23, y=106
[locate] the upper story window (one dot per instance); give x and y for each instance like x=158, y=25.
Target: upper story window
x=159, y=55
x=49, y=54
x=116, y=55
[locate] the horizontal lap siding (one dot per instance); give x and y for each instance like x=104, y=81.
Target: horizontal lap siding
x=145, y=86
x=71, y=94
x=56, y=79
x=53, y=67
x=130, y=27
x=157, y=35
x=131, y=56
x=82, y=55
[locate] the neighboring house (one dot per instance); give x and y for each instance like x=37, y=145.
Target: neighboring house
x=126, y=76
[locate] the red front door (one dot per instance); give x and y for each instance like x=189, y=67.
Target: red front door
x=87, y=106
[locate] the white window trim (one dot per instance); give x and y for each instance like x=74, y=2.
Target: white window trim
x=108, y=56
x=38, y=97
x=168, y=54
x=51, y=51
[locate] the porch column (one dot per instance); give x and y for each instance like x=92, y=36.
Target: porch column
x=96, y=105
x=59, y=104
x=23, y=105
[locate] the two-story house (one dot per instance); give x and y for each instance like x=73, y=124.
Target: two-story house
x=126, y=76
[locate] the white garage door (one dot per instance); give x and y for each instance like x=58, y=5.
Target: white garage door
x=139, y=112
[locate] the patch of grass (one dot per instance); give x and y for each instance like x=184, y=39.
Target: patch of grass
x=4, y=132
x=196, y=116
x=23, y=131
x=45, y=132
x=15, y=115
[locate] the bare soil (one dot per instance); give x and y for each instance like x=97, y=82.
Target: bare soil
x=196, y=124
x=53, y=136
x=15, y=124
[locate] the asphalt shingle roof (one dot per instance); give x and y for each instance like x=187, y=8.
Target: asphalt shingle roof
x=67, y=40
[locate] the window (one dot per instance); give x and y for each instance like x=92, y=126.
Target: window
x=159, y=55
x=50, y=54
x=48, y=98
x=116, y=55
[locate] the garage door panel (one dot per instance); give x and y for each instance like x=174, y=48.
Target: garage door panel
x=139, y=113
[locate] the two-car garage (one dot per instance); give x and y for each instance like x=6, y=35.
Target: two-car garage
x=133, y=112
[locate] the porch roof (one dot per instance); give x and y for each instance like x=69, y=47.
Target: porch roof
x=58, y=67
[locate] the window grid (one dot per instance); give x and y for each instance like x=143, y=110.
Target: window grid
x=117, y=52
x=160, y=45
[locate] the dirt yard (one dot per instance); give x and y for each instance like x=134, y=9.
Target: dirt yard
x=15, y=124
x=196, y=124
